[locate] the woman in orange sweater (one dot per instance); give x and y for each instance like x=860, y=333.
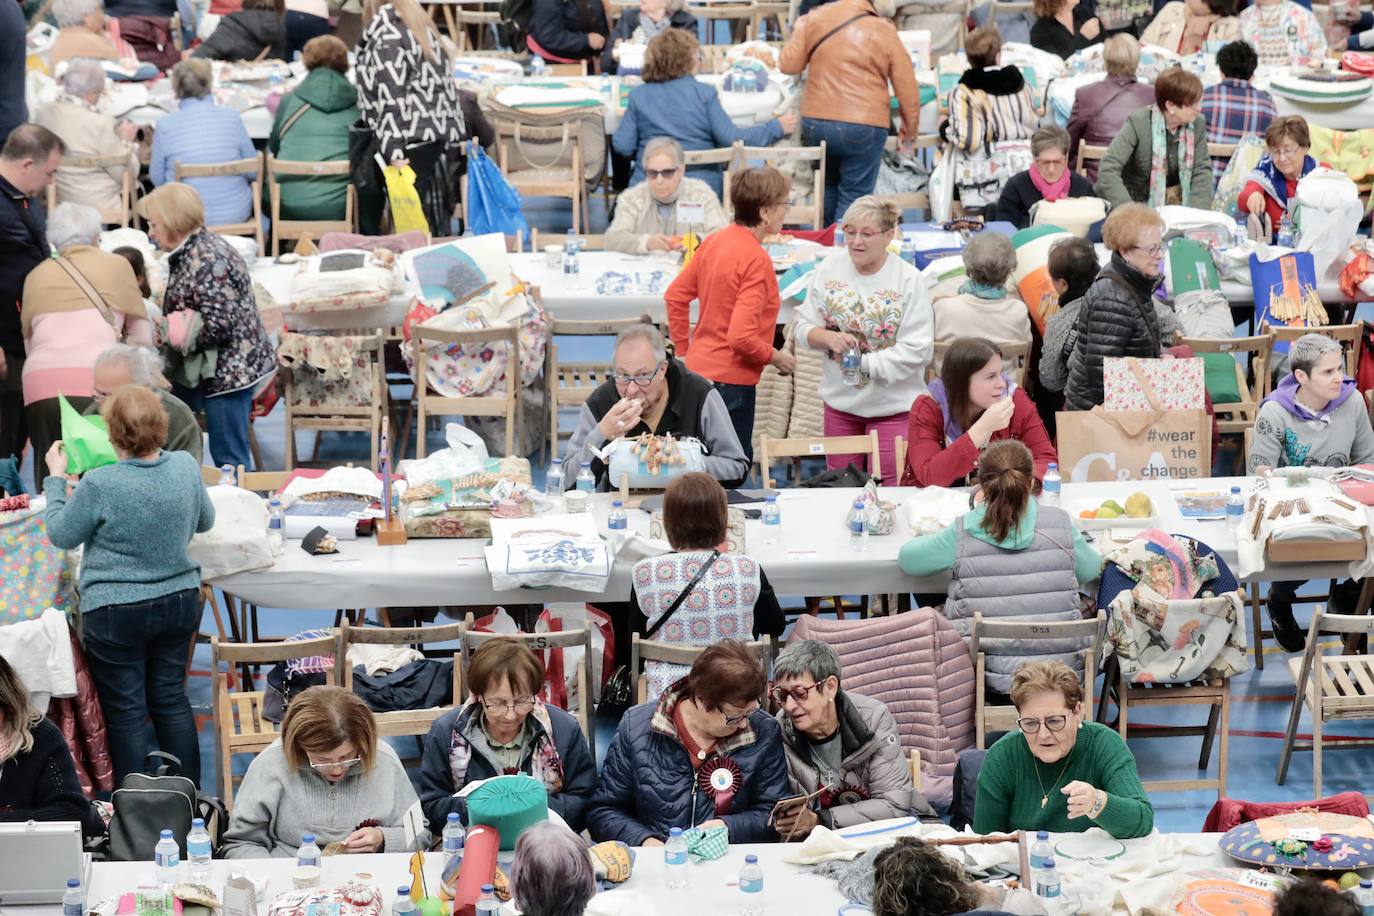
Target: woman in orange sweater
x=731, y=277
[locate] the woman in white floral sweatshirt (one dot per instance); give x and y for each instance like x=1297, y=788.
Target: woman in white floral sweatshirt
x=869, y=299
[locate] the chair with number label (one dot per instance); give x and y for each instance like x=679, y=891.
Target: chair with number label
x=645, y=650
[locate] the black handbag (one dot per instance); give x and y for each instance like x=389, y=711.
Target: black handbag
x=619, y=693
x=848, y=476
x=146, y=805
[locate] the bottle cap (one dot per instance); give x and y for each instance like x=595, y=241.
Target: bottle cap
x=675, y=831
x=751, y=860
x=1235, y=489
x=1365, y=883
x=198, y=822
x=453, y=817
x=403, y=891
x=586, y=464
x=558, y=461
x=1053, y=466
x=616, y=504
x=307, y=838
x=166, y=834
x=771, y=497
x=76, y=882
x=488, y=889
x=1049, y=862
x=1042, y=834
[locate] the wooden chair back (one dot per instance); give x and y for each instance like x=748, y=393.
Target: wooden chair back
x=550, y=180
x=1347, y=335
x=814, y=446
x=119, y=215
x=1015, y=357
x=570, y=384
x=997, y=718
x=1086, y=152
x=587, y=241
x=301, y=414
x=401, y=721
x=646, y=650
x=812, y=215
x=728, y=156
x=506, y=405
x=1235, y=417
x=295, y=228
x=240, y=726
x=252, y=166
x=915, y=200
x=899, y=447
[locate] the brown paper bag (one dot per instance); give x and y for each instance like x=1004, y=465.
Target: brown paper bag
x=1102, y=444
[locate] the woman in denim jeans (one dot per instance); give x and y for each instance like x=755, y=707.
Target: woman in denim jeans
x=140, y=591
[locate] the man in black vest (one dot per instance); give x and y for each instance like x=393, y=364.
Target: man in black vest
x=650, y=393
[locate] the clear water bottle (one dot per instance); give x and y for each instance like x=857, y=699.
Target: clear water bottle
x=487, y=904
x=1235, y=507
x=604, y=87
x=167, y=857
x=1242, y=233
x=538, y=68
x=553, y=482
x=571, y=261
x=772, y=520
x=586, y=480
x=1364, y=898
x=1051, y=486
x=858, y=527
x=1047, y=880
x=1041, y=851
x=275, y=81
x=276, y=527
x=616, y=521
x=198, y=852
x=751, y=887
x=227, y=477
x=909, y=251
x=308, y=853
x=851, y=366
x=839, y=236
x=453, y=838
x=675, y=859
x=1285, y=238
x=403, y=906
x=74, y=899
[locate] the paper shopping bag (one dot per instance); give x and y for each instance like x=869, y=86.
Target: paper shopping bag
x=407, y=213
x=1178, y=384
x=85, y=440
x=1101, y=444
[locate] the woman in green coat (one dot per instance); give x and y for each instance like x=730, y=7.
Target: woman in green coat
x=312, y=126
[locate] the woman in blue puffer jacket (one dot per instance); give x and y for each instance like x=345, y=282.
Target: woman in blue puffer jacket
x=705, y=755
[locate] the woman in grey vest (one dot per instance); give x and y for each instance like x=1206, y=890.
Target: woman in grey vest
x=1009, y=557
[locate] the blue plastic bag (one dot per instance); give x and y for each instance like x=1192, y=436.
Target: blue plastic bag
x=493, y=205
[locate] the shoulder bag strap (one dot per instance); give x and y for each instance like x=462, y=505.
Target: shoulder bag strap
x=682, y=596
x=80, y=280
x=828, y=35
x=1103, y=107
x=295, y=116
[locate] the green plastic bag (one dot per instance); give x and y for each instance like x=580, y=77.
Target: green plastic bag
x=84, y=440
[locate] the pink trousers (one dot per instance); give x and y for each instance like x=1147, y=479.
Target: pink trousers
x=839, y=423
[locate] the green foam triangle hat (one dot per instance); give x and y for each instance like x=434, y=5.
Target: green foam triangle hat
x=85, y=440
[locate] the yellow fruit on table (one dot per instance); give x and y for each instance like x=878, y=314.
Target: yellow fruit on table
x=1138, y=505
x=1108, y=511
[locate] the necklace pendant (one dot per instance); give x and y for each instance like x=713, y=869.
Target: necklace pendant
x=1044, y=799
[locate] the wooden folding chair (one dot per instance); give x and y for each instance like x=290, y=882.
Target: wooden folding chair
x=295, y=228
x=312, y=413
x=495, y=405
x=645, y=650
x=1235, y=417
x=782, y=157
x=570, y=384
x=1086, y=153
x=738, y=15
x=727, y=156
x=240, y=727
x=815, y=446
x=1332, y=687
x=544, y=180
x=1015, y=358
x=776, y=10
x=899, y=448
x=916, y=200
x=251, y=166
x=1347, y=335
x=992, y=718
x=122, y=213
x=400, y=722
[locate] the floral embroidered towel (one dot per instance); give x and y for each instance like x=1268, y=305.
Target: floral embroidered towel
x=1179, y=384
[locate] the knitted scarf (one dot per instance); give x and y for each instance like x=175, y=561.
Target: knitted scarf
x=1159, y=159
x=1050, y=190
x=991, y=292
x=648, y=29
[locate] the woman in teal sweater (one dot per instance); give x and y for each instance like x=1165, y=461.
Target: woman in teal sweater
x=140, y=591
x=312, y=126
x=1057, y=772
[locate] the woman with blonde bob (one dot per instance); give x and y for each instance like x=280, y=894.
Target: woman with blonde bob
x=37, y=777
x=140, y=591
x=327, y=775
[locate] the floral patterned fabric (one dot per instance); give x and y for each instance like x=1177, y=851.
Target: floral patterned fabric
x=34, y=575
x=327, y=371
x=459, y=371
x=1179, y=384
x=206, y=275
x=545, y=763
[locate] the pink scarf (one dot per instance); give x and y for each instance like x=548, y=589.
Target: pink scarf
x=1051, y=192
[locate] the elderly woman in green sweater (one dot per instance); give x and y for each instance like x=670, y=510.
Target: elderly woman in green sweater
x=1057, y=772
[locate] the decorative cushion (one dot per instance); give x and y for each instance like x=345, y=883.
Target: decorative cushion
x=509, y=804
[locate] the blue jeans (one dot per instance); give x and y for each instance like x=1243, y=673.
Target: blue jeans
x=138, y=662
x=226, y=422
x=853, y=153
x=739, y=401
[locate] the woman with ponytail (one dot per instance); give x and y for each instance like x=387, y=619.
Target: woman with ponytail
x=1009, y=558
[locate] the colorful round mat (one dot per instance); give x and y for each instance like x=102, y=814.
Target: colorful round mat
x=1346, y=851
x=1211, y=894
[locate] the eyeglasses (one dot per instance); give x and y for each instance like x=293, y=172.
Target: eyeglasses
x=866, y=235
x=1053, y=723
x=1152, y=250
x=653, y=174
x=1286, y=152
x=97, y=395
x=797, y=692
x=335, y=764
x=1048, y=163
x=521, y=706
x=643, y=381
x=735, y=720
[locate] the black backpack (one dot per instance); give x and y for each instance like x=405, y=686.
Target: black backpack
x=514, y=26
x=146, y=805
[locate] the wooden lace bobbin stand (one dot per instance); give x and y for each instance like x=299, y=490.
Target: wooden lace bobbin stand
x=390, y=531
x=1020, y=838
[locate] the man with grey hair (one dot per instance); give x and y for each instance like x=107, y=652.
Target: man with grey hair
x=654, y=214
x=89, y=132
x=650, y=393
x=843, y=752
x=1314, y=418
x=122, y=364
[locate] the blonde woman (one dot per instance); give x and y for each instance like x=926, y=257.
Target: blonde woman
x=37, y=777
x=327, y=775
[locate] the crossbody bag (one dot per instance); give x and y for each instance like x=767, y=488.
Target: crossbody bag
x=831, y=34
x=96, y=299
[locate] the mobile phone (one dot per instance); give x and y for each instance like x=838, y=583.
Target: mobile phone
x=788, y=806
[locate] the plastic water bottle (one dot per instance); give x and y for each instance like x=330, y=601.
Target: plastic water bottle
x=453, y=838
x=586, y=480
x=1242, y=233
x=772, y=520
x=571, y=262
x=487, y=904
x=1051, y=485
x=553, y=482
x=751, y=886
x=1364, y=898
x=851, y=366
x=275, y=81
x=616, y=523
x=226, y=476
x=1285, y=239
x=858, y=527
x=74, y=899
x=309, y=853
x=1047, y=880
x=276, y=528
x=1041, y=851
x=1235, y=507
x=167, y=857
x=403, y=906
x=538, y=68
x=839, y=236
x=198, y=852
x=604, y=87
x=675, y=859
x=909, y=251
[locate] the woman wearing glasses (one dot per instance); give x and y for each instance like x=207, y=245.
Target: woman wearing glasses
x=327, y=775
x=1160, y=155
x=705, y=755
x=503, y=728
x=1057, y=772
x=1118, y=315
x=868, y=299
x=1269, y=193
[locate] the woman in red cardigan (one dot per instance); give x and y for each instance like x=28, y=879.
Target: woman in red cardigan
x=971, y=404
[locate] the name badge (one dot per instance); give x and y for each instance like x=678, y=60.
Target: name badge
x=691, y=214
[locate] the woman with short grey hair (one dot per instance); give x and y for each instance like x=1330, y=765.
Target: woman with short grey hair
x=639, y=26
x=647, y=217
x=88, y=132
x=65, y=329
x=1314, y=418
x=552, y=873
x=843, y=744
x=983, y=300
x=1049, y=178
x=82, y=32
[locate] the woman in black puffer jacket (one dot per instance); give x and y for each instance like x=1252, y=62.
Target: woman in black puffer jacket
x=1117, y=317
x=243, y=35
